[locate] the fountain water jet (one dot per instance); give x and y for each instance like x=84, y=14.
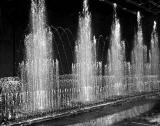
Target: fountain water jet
x=138, y=55
x=154, y=52
x=116, y=56
x=39, y=62
x=85, y=60
x=154, y=56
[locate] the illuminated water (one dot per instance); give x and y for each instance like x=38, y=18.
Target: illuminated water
x=42, y=91
x=116, y=56
x=154, y=52
x=39, y=64
x=138, y=55
x=85, y=59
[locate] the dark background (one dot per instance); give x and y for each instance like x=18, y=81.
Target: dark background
x=14, y=25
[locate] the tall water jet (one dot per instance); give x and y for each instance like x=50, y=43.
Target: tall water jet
x=116, y=56
x=39, y=63
x=154, y=59
x=85, y=59
x=154, y=56
x=138, y=54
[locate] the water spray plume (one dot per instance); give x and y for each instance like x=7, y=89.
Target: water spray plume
x=114, y=5
x=154, y=26
x=138, y=17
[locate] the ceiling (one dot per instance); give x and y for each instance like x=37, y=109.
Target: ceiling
x=150, y=6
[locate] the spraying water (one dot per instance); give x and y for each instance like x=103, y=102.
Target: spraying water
x=85, y=59
x=42, y=91
x=116, y=56
x=138, y=55
x=154, y=51
x=38, y=63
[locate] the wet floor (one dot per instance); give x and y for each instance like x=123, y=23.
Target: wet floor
x=77, y=120
x=132, y=109
x=151, y=118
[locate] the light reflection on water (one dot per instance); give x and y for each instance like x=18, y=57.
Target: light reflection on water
x=117, y=117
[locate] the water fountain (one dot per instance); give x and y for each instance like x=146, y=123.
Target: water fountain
x=38, y=72
x=116, y=57
x=42, y=92
x=138, y=55
x=154, y=52
x=154, y=56
x=85, y=59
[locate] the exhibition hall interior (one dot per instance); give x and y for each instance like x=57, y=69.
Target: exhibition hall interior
x=79, y=62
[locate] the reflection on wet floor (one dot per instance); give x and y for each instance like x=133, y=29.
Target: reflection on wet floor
x=151, y=118
x=136, y=122
x=134, y=112
x=125, y=114
x=117, y=117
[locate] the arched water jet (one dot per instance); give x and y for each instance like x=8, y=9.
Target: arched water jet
x=65, y=40
x=59, y=29
x=103, y=56
x=70, y=37
x=56, y=32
